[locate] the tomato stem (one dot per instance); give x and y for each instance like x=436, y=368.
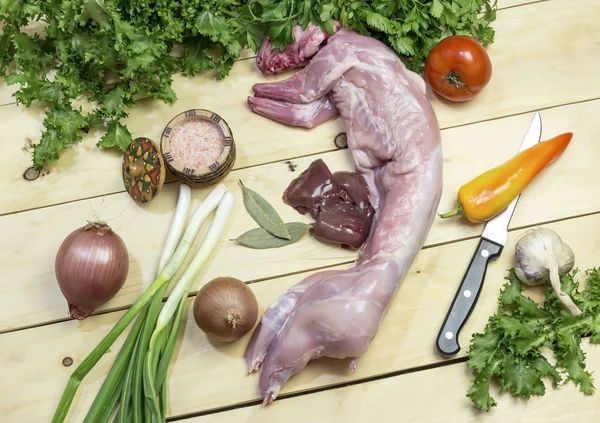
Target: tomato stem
x=453, y=78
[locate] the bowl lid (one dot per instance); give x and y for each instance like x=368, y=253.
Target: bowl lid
x=143, y=170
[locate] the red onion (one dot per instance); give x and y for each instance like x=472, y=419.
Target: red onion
x=91, y=267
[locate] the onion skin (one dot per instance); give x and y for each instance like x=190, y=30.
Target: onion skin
x=226, y=309
x=91, y=266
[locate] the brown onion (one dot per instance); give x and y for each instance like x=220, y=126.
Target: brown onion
x=226, y=309
x=91, y=267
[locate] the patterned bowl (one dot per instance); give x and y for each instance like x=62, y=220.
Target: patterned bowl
x=198, y=147
x=143, y=170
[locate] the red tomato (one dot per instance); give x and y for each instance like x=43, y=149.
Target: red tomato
x=458, y=68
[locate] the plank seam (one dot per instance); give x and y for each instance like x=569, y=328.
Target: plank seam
x=570, y=103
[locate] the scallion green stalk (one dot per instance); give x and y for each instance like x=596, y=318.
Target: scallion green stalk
x=179, y=294
x=163, y=364
x=202, y=212
x=116, y=373
x=209, y=243
x=124, y=409
x=111, y=405
x=173, y=239
x=212, y=201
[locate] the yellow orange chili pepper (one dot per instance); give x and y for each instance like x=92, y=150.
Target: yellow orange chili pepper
x=491, y=192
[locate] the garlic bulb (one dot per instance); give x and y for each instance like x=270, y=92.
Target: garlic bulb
x=543, y=257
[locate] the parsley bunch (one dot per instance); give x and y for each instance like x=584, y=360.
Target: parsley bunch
x=111, y=53
x=510, y=347
x=410, y=27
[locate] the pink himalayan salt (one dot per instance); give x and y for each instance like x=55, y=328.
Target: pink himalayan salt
x=196, y=143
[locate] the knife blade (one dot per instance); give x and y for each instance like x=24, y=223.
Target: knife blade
x=491, y=243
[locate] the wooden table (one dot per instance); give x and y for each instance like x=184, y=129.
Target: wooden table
x=546, y=57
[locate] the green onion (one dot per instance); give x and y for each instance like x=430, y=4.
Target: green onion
x=178, y=296
x=117, y=372
x=124, y=409
x=182, y=288
x=177, y=225
x=116, y=386
x=173, y=238
x=161, y=372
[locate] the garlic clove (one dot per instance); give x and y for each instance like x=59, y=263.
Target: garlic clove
x=529, y=278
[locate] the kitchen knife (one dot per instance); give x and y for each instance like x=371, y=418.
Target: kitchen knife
x=490, y=246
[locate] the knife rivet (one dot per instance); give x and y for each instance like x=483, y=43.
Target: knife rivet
x=449, y=335
x=467, y=293
x=485, y=253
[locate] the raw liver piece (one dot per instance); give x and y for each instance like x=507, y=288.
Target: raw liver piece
x=339, y=203
x=344, y=223
x=305, y=193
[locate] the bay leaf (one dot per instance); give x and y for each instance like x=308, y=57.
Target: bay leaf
x=264, y=214
x=261, y=239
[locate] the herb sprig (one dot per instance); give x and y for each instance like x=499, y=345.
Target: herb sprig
x=509, y=349
x=112, y=53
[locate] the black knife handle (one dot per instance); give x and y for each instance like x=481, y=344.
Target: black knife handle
x=466, y=297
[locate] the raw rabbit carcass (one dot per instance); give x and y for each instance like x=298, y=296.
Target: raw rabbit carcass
x=394, y=138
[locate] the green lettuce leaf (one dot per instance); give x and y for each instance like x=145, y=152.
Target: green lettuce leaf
x=117, y=136
x=63, y=128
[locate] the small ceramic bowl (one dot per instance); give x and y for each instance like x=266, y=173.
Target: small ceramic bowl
x=198, y=147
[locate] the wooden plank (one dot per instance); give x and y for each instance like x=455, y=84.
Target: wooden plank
x=7, y=91
x=429, y=396
x=206, y=375
x=516, y=87
x=561, y=191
